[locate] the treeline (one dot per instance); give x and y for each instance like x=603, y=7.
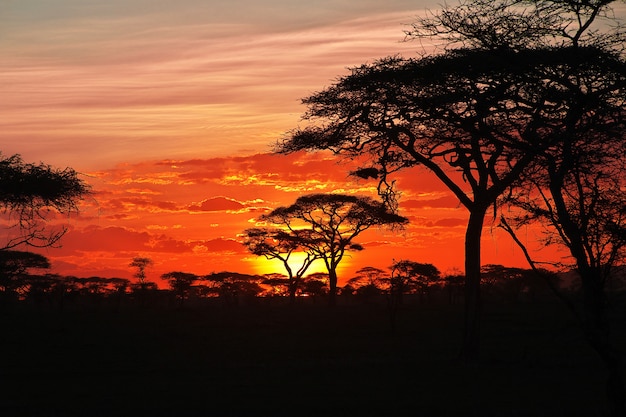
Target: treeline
x=404, y=282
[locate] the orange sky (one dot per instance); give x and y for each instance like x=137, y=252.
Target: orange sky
x=169, y=111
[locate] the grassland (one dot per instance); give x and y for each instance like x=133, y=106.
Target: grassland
x=304, y=360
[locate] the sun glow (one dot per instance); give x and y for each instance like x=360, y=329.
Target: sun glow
x=264, y=266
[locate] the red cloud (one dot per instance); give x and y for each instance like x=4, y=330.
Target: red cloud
x=217, y=204
x=449, y=222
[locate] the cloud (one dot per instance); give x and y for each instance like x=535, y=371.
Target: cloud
x=217, y=204
x=448, y=222
x=152, y=81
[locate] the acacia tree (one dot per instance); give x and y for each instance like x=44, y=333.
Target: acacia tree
x=141, y=264
x=14, y=266
x=368, y=281
x=332, y=222
x=476, y=115
x=410, y=276
x=231, y=286
x=281, y=245
x=30, y=195
x=181, y=284
x=142, y=287
x=579, y=197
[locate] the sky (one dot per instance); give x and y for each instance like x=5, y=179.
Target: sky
x=169, y=111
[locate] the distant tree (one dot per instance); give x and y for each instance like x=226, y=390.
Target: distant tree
x=40, y=289
x=412, y=277
x=30, y=195
x=511, y=283
x=315, y=285
x=279, y=284
x=281, y=245
x=141, y=264
x=96, y=285
x=502, y=281
x=119, y=285
x=478, y=113
x=14, y=267
x=453, y=283
x=332, y=222
x=181, y=284
x=119, y=288
x=142, y=288
x=232, y=286
x=368, y=281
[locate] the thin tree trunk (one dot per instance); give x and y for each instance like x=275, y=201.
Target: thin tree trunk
x=332, y=281
x=597, y=333
x=292, y=292
x=470, y=350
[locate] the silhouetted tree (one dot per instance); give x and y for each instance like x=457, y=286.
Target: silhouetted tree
x=407, y=276
x=579, y=196
x=453, y=283
x=505, y=282
x=30, y=195
x=141, y=288
x=411, y=277
x=232, y=286
x=181, y=284
x=315, y=285
x=476, y=115
x=14, y=267
x=141, y=264
x=279, y=284
x=511, y=283
x=281, y=245
x=368, y=282
x=119, y=287
x=332, y=222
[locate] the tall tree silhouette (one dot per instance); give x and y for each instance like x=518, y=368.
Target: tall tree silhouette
x=31, y=194
x=476, y=114
x=579, y=196
x=141, y=263
x=332, y=222
x=142, y=287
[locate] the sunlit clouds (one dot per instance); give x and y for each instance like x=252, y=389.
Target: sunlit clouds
x=190, y=215
x=84, y=90
x=170, y=109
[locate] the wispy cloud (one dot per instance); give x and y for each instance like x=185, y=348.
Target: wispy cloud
x=83, y=91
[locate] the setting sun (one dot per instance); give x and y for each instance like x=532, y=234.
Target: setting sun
x=264, y=266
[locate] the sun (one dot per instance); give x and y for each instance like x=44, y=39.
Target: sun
x=264, y=266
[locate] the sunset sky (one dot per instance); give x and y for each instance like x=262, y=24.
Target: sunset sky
x=169, y=110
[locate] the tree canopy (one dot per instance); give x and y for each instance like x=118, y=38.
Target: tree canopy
x=281, y=245
x=499, y=96
x=30, y=194
x=14, y=268
x=332, y=222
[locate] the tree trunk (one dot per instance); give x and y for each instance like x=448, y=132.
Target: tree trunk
x=470, y=350
x=293, y=287
x=597, y=332
x=332, y=281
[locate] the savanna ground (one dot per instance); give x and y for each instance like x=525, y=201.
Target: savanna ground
x=303, y=360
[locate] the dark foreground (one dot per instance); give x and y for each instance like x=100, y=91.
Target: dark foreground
x=303, y=361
